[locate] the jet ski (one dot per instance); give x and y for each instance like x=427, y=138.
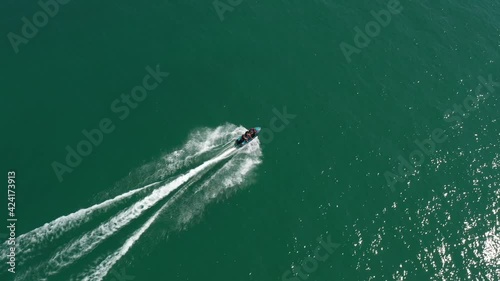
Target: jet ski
x=241, y=141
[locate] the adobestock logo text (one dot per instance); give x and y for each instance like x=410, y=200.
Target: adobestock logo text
x=30, y=27
x=122, y=107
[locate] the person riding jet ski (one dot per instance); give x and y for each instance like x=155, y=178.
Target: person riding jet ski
x=248, y=135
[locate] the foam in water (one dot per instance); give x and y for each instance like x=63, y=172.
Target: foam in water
x=61, y=225
x=103, y=268
x=199, y=143
x=89, y=241
x=235, y=173
x=231, y=174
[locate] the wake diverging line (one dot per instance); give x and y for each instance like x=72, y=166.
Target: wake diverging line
x=61, y=225
x=102, y=270
x=106, y=265
x=91, y=240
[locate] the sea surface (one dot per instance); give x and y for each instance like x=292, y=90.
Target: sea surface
x=379, y=157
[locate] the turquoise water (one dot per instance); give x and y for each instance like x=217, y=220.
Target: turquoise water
x=319, y=197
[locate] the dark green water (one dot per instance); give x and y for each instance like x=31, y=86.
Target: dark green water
x=320, y=177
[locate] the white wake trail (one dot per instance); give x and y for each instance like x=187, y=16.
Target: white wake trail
x=103, y=268
x=230, y=175
x=54, y=229
x=235, y=174
x=200, y=141
x=90, y=240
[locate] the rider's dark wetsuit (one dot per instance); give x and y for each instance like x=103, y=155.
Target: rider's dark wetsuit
x=248, y=135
